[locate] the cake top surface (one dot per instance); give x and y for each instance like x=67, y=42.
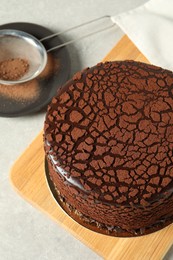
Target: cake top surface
x=109, y=132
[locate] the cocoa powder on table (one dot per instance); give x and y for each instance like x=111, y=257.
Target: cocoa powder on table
x=13, y=69
x=51, y=67
x=21, y=92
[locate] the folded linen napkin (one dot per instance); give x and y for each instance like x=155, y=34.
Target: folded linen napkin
x=150, y=27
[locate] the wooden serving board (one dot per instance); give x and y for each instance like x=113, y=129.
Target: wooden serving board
x=28, y=177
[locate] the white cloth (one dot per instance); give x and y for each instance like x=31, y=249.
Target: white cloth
x=150, y=27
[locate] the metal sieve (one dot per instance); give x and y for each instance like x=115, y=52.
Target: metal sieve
x=19, y=44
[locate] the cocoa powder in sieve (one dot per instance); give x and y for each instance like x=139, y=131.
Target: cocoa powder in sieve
x=30, y=90
x=13, y=69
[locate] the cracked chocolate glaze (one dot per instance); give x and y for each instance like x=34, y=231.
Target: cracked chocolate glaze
x=109, y=134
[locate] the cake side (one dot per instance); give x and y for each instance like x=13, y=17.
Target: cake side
x=117, y=220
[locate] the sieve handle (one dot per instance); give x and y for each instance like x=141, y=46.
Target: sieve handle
x=76, y=27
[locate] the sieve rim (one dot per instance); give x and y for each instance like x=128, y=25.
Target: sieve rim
x=32, y=40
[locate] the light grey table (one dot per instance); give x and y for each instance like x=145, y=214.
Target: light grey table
x=25, y=233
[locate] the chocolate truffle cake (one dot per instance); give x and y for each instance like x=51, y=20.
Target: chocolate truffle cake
x=108, y=138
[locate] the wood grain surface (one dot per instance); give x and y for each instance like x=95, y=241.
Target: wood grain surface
x=28, y=178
